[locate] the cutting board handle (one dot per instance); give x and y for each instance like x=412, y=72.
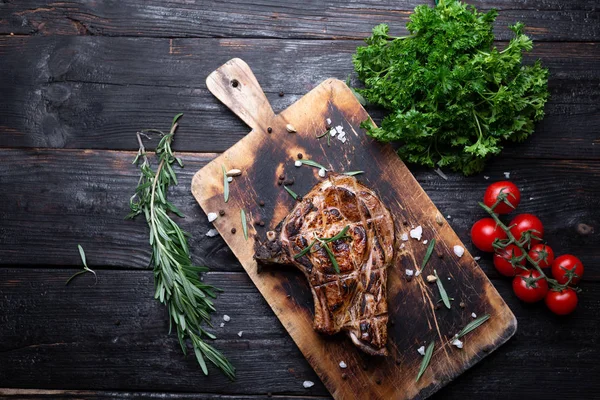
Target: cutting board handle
x=236, y=86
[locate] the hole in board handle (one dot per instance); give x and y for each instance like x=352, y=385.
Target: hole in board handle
x=234, y=83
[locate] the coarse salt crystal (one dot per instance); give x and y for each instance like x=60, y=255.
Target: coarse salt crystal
x=343, y=140
x=212, y=233
x=222, y=324
x=332, y=132
x=402, y=245
x=308, y=384
x=448, y=216
x=531, y=198
x=229, y=179
x=298, y=163
x=473, y=315
x=418, y=272
x=507, y=175
x=211, y=217
x=404, y=237
x=226, y=318
x=341, y=136
x=459, y=250
x=328, y=121
x=409, y=272
x=421, y=350
x=342, y=364
x=457, y=343
x=425, y=241
x=322, y=172
x=240, y=333
x=416, y=233
x=340, y=128
x=486, y=177
x=477, y=258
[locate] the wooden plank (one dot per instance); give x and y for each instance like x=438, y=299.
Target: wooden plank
x=113, y=337
x=26, y=394
x=548, y=20
x=55, y=199
x=90, y=92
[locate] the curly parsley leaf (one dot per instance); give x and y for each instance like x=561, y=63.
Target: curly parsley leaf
x=454, y=98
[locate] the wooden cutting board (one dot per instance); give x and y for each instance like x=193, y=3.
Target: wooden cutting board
x=414, y=318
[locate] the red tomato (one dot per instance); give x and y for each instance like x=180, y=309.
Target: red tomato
x=484, y=232
x=526, y=289
x=563, y=302
x=542, y=254
x=503, y=257
x=565, y=263
x=505, y=190
x=527, y=227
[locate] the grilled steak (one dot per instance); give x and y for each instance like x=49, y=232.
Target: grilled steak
x=355, y=299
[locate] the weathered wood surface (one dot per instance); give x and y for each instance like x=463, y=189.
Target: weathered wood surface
x=94, y=92
x=66, y=197
x=547, y=20
x=114, y=336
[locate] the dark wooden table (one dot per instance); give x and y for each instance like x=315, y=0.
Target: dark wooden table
x=79, y=78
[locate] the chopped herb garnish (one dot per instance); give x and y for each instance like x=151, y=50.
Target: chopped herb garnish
x=244, y=223
x=291, y=192
x=352, y=173
x=324, y=244
x=313, y=164
x=443, y=293
x=225, y=185
x=471, y=326
x=428, y=253
x=426, y=359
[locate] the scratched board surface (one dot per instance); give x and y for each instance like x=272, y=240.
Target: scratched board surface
x=416, y=314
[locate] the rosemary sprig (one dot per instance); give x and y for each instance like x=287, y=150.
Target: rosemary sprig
x=291, y=192
x=443, y=293
x=426, y=359
x=244, y=223
x=428, y=253
x=225, y=185
x=176, y=279
x=85, y=267
x=471, y=326
x=352, y=173
x=324, y=244
x=313, y=164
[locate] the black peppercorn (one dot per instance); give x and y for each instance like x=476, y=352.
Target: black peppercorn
x=300, y=156
x=269, y=129
x=261, y=223
x=261, y=203
x=281, y=94
x=221, y=212
x=233, y=230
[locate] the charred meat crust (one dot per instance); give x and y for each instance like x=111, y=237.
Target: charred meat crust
x=355, y=300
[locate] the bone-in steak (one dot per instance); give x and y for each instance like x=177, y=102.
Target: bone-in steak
x=355, y=299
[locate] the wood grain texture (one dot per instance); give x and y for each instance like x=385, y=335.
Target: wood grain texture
x=113, y=337
x=26, y=394
x=66, y=197
x=547, y=20
x=94, y=92
x=263, y=155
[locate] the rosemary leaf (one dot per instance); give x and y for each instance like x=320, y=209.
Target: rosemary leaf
x=426, y=359
x=443, y=293
x=306, y=249
x=471, y=326
x=244, y=223
x=352, y=173
x=334, y=262
x=225, y=185
x=428, y=253
x=313, y=164
x=291, y=192
x=176, y=279
x=85, y=267
x=340, y=235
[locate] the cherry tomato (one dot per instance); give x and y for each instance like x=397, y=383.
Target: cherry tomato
x=565, y=263
x=508, y=191
x=484, y=232
x=526, y=289
x=503, y=257
x=527, y=226
x=563, y=302
x=542, y=254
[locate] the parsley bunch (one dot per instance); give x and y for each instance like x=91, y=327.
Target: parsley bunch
x=453, y=98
